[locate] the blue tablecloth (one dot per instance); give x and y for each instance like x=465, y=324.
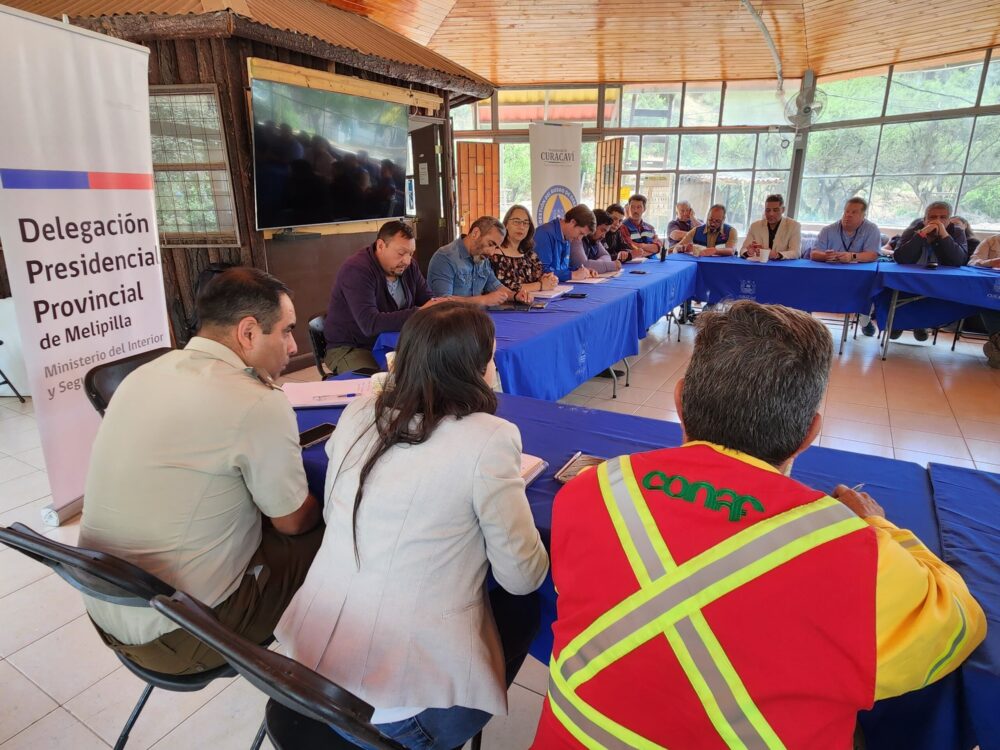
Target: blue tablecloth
x=932, y=718
x=660, y=287
x=950, y=294
x=968, y=507
x=802, y=284
x=547, y=353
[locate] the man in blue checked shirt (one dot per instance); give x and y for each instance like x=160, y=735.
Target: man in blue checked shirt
x=462, y=269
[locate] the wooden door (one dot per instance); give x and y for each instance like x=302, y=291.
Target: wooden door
x=477, y=166
x=609, y=172
x=427, y=189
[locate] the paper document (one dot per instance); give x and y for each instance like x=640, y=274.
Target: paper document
x=326, y=393
x=559, y=291
x=636, y=260
x=532, y=467
x=595, y=280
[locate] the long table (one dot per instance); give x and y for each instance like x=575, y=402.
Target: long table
x=939, y=716
x=547, y=353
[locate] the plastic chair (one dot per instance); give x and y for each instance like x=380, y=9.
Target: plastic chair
x=5, y=381
x=302, y=705
x=101, y=382
x=110, y=579
x=317, y=324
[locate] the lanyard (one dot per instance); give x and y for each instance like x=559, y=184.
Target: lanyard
x=843, y=241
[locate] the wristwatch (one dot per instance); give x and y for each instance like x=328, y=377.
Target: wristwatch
x=854, y=257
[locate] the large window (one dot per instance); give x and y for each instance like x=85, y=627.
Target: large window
x=737, y=170
x=933, y=86
x=856, y=97
x=194, y=196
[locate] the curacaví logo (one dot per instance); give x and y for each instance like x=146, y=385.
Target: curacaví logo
x=748, y=287
x=555, y=202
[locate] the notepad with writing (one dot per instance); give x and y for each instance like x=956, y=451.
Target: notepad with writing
x=326, y=393
x=559, y=291
x=532, y=467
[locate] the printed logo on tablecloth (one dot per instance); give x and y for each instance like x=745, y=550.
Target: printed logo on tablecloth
x=748, y=288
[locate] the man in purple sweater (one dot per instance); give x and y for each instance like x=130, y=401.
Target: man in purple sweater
x=377, y=290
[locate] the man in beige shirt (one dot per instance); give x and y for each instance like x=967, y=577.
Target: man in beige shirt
x=194, y=448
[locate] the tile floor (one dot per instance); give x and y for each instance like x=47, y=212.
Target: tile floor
x=924, y=404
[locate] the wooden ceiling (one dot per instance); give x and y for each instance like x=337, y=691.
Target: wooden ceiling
x=522, y=42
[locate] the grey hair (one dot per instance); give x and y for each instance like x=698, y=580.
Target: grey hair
x=938, y=204
x=487, y=224
x=683, y=203
x=756, y=379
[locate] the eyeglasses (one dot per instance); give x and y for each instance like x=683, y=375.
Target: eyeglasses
x=519, y=222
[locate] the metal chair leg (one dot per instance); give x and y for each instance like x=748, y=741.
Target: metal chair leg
x=614, y=382
x=261, y=733
x=958, y=333
x=123, y=737
x=843, y=334
x=477, y=742
x=628, y=371
x=4, y=380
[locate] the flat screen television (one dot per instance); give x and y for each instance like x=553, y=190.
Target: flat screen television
x=321, y=157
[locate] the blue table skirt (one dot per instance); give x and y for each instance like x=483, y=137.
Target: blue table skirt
x=968, y=506
x=933, y=718
x=547, y=353
x=949, y=294
x=659, y=288
x=802, y=284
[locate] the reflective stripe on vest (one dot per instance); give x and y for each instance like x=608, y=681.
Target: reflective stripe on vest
x=665, y=605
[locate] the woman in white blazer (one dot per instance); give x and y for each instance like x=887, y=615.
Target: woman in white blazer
x=423, y=495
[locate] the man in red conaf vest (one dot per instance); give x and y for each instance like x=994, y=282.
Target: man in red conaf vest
x=707, y=600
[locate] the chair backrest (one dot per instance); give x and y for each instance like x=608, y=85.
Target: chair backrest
x=291, y=684
x=318, y=340
x=94, y=573
x=101, y=382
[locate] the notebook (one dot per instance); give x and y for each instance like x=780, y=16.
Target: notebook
x=559, y=291
x=326, y=393
x=532, y=467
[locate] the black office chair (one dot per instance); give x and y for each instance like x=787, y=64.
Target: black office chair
x=5, y=381
x=317, y=338
x=101, y=382
x=114, y=580
x=302, y=705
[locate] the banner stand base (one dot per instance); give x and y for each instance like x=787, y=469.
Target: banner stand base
x=53, y=516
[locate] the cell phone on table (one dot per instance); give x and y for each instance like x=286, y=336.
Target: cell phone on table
x=638, y=273
x=574, y=295
x=315, y=435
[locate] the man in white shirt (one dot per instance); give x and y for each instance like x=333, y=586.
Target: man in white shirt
x=775, y=234
x=194, y=449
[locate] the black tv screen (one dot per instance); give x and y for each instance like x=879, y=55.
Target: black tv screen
x=321, y=157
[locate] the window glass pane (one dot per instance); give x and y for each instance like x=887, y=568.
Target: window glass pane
x=991, y=93
x=628, y=187
x=518, y=107
x=732, y=190
x=696, y=189
x=774, y=150
x=186, y=129
x=484, y=115
x=659, y=192
x=630, y=152
x=821, y=199
x=980, y=201
x=515, y=176
x=588, y=172
x=462, y=118
x=757, y=102
x=896, y=201
x=924, y=147
x=985, y=153
x=651, y=106
x=612, y=110
x=659, y=151
x=194, y=202
x=841, y=152
x=701, y=104
x=853, y=97
x=698, y=151
x=765, y=184
x=931, y=86
x=736, y=150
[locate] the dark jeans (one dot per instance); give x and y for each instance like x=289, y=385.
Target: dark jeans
x=253, y=610
x=518, y=619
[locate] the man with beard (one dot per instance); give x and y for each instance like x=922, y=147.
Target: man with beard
x=715, y=237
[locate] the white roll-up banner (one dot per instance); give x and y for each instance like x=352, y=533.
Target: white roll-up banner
x=555, y=168
x=77, y=223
